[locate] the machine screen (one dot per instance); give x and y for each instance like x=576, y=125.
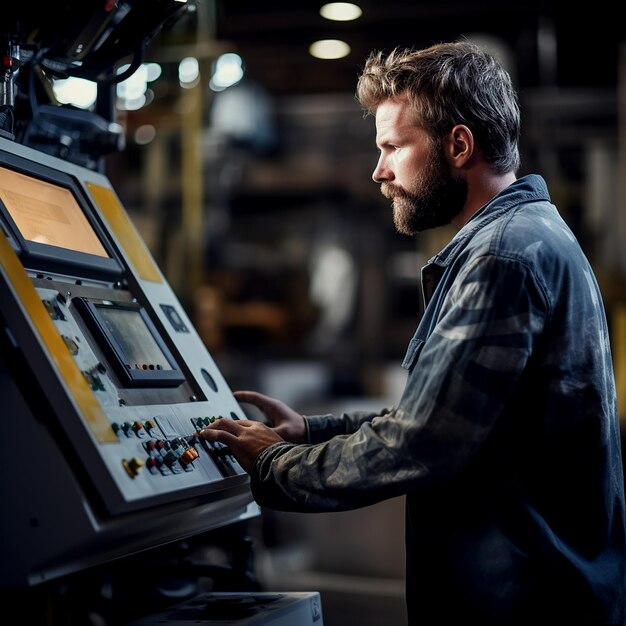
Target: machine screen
x=131, y=343
x=47, y=214
x=137, y=346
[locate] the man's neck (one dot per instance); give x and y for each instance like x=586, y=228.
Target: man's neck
x=481, y=188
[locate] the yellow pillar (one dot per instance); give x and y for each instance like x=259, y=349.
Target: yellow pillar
x=192, y=189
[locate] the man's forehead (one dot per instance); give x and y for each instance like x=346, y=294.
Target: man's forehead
x=394, y=115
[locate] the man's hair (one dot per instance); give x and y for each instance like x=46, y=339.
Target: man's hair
x=448, y=84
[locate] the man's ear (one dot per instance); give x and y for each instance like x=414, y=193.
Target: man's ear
x=459, y=146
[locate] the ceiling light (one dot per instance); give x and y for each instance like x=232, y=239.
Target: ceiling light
x=227, y=71
x=188, y=72
x=329, y=49
x=341, y=11
x=77, y=91
x=145, y=134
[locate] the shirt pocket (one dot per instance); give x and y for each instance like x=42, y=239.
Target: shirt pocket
x=412, y=354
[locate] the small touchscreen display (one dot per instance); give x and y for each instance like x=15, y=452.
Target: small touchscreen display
x=136, y=344
x=131, y=343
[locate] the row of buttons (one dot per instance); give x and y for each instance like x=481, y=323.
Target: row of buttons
x=219, y=452
x=173, y=456
x=165, y=457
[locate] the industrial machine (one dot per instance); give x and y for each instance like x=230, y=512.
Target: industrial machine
x=104, y=382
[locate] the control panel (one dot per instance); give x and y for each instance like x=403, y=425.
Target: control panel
x=105, y=383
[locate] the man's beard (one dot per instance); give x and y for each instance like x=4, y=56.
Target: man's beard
x=438, y=197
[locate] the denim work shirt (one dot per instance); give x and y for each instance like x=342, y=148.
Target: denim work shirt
x=505, y=441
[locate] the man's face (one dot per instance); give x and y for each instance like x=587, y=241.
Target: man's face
x=414, y=173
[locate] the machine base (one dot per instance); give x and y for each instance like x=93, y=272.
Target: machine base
x=242, y=609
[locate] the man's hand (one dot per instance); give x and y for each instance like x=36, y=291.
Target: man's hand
x=246, y=439
x=286, y=422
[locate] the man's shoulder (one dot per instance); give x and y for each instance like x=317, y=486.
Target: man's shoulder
x=534, y=223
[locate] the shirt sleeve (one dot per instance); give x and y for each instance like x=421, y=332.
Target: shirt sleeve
x=322, y=427
x=468, y=367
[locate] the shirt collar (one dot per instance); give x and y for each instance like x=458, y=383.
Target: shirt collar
x=531, y=187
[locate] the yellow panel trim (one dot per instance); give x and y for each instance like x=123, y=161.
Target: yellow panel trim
x=132, y=244
x=66, y=366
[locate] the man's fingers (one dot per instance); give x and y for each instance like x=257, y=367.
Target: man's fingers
x=219, y=435
x=228, y=425
x=253, y=397
x=244, y=396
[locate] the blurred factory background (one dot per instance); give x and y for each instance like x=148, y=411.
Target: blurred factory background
x=257, y=201
x=247, y=169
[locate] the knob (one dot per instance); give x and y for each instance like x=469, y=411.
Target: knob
x=133, y=466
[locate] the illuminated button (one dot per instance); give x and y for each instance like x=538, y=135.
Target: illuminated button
x=133, y=466
x=188, y=456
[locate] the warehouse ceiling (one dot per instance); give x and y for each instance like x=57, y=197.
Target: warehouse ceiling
x=547, y=42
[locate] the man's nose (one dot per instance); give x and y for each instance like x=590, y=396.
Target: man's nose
x=381, y=172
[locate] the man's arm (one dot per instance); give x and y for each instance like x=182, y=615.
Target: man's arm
x=467, y=371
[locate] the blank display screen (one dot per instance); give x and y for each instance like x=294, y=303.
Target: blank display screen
x=131, y=343
x=136, y=343
x=48, y=214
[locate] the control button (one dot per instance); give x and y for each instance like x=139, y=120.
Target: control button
x=152, y=463
x=167, y=428
x=170, y=458
x=151, y=447
x=133, y=466
x=188, y=456
x=54, y=310
x=71, y=345
x=139, y=430
x=175, y=319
